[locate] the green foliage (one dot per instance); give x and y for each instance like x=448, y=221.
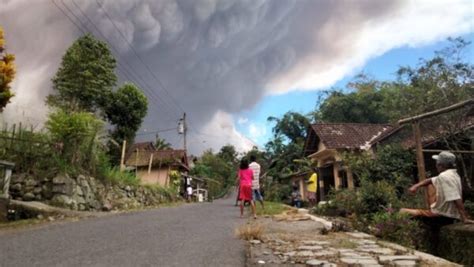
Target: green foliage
x=469, y=207
x=228, y=154
x=85, y=77
x=161, y=144
x=397, y=227
x=271, y=208
x=77, y=136
x=114, y=176
x=376, y=196
x=391, y=163
x=218, y=173
x=278, y=192
x=292, y=126
x=126, y=110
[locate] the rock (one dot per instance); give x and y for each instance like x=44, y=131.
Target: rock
x=329, y=253
x=359, y=235
x=40, y=217
x=316, y=263
x=405, y=263
x=313, y=242
x=46, y=191
x=255, y=242
x=107, y=207
x=359, y=260
x=37, y=190
x=303, y=211
x=290, y=254
x=78, y=190
x=62, y=201
x=29, y=197
x=310, y=248
x=389, y=259
x=379, y=250
x=61, y=179
x=65, y=189
x=31, y=182
x=304, y=253
x=261, y=262
x=51, y=218
x=38, y=197
x=16, y=187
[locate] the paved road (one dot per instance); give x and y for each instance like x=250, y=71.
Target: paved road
x=188, y=235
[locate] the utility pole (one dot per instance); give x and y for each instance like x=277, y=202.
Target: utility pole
x=182, y=129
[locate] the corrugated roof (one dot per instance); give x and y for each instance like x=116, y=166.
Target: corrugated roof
x=349, y=135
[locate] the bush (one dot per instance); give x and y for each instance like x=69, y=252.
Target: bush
x=469, y=206
x=396, y=227
x=114, y=176
x=376, y=196
x=278, y=192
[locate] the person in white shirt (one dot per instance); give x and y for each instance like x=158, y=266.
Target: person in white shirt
x=448, y=201
x=255, y=167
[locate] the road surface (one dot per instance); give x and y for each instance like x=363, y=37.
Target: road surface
x=187, y=235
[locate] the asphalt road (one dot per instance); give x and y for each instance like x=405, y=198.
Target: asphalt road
x=187, y=235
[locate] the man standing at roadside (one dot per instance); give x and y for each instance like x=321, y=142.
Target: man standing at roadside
x=312, y=188
x=255, y=167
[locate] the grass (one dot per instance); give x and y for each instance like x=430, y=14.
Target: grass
x=250, y=231
x=271, y=208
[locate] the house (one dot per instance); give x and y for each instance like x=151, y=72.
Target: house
x=154, y=166
x=326, y=143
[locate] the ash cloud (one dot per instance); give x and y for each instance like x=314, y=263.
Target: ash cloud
x=215, y=58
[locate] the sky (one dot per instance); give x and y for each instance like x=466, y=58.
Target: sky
x=253, y=123
x=229, y=64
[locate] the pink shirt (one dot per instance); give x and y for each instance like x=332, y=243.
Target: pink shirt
x=246, y=176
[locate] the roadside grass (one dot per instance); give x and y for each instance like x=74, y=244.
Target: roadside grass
x=250, y=231
x=271, y=208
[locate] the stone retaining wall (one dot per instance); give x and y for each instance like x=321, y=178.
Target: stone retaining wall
x=84, y=193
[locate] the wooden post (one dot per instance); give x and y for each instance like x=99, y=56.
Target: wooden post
x=122, y=158
x=420, y=161
x=149, y=164
x=136, y=162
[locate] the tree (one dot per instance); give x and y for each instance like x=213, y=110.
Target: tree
x=126, y=110
x=292, y=125
x=85, y=77
x=161, y=143
x=228, y=154
x=7, y=73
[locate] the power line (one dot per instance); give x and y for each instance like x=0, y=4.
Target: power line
x=138, y=56
x=158, y=131
x=127, y=69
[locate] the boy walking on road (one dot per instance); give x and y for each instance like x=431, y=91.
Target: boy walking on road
x=255, y=167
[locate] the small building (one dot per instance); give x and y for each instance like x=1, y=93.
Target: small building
x=326, y=143
x=300, y=179
x=154, y=166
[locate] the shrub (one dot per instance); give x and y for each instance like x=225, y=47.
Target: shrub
x=469, y=206
x=396, y=227
x=115, y=176
x=278, y=192
x=376, y=196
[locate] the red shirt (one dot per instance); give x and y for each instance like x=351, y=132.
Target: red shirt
x=246, y=176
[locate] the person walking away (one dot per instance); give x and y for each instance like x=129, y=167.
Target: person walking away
x=189, y=193
x=245, y=187
x=448, y=201
x=255, y=167
x=296, y=197
x=312, y=186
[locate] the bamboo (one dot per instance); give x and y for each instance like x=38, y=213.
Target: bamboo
x=149, y=164
x=420, y=161
x=436, y=112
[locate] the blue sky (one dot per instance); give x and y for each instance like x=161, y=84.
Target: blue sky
x=254, y=125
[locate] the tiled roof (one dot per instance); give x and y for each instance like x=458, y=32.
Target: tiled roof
x=349, y=135
x=144, y=146
x=160, y=157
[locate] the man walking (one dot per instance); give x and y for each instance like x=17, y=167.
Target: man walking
x=255, y=167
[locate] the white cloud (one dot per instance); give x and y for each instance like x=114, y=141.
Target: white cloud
x=414, y=24
x=218, y=132
x=242, y=120
x=256, y=131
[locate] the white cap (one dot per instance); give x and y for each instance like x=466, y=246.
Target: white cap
x=445, y=157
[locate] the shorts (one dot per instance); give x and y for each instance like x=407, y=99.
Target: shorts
x=245, y=192
x=311, y=195
x=257, y=195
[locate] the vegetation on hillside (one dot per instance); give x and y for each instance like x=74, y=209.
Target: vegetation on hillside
x=7, y=73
